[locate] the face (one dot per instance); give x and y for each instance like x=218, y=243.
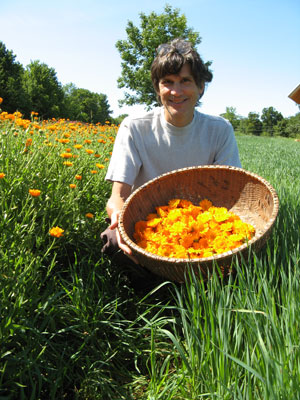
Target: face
x=179, y=95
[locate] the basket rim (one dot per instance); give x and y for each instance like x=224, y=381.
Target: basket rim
x=130, y=243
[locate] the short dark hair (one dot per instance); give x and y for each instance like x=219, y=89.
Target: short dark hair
x=172, y=56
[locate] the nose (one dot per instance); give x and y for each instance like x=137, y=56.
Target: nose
x=176, y=89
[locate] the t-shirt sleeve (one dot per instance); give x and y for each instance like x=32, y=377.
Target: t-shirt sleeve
x=227, y=152
x=125, y=161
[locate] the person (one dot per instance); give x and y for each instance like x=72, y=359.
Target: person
x=172, y=136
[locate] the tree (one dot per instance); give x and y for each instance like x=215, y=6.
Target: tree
x=232, y=117
x=83, y=105
x=45, y=92
x=251, y=125
x=270, y=118
x=138, y=51
x=11, y=89
x=289, y=127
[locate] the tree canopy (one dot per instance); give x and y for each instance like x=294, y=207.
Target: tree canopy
x=44, y=90
x=138, y=51
x=86, y=106
x=11, y=82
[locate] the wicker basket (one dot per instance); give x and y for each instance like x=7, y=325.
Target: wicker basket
x=246, y=194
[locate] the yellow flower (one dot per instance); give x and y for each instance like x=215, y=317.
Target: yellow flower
x=34, y=192
x=89, y=151
x=2, y=174
x=56, y=231
x=89, y=215
x=101, y=166
x=68, y=163
x=72, y=186
x=78, y=146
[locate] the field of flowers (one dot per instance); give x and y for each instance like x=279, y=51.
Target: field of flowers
x=73, y=325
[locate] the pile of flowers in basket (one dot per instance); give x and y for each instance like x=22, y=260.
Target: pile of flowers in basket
x=184, y=230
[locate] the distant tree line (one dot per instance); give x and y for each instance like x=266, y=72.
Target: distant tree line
x=36, y=88
x=269, y=123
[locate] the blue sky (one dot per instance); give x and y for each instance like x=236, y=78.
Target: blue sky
x=254, y=46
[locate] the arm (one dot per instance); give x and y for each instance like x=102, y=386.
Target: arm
x=119, y=194
x=227, y=152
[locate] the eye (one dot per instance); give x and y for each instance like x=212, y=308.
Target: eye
x=166, y=81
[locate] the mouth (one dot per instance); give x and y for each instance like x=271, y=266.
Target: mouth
x=177, y=101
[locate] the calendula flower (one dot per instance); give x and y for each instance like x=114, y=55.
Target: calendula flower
x=100, y=166
x=68, y=163
x=1, y=100
x=89, y=151
x=183, y=230
x=66, y=155
x=56, y=231
x=72, y=186
x=78, y=146
x=94, y=171
x=34, y=192
x=78, y=177
x=89, y=215
x=2, y=174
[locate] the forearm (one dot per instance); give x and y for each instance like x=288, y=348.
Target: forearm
x=120, y=192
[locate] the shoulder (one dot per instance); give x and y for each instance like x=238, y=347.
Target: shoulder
x=141, y=118
x=212, y=120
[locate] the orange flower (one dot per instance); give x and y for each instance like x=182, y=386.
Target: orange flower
x=89, y=151
x=66, y=155
x=94, y=171
x=2, y=174
x=78, y=177
x=89, y=215
x=183, y=230
x=100, y=166
x=72, y=186
x=1, y=100
x=68, y=163
x=56, y=231
x=34, y=192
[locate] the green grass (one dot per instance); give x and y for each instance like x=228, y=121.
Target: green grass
x=75, y=326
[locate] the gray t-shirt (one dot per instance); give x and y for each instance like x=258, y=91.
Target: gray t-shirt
x=147, y=146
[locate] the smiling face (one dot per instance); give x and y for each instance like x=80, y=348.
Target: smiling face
x=179, y=94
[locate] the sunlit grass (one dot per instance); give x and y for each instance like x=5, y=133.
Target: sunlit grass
x=72, y=324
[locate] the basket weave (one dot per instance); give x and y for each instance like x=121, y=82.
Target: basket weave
x=244, y=193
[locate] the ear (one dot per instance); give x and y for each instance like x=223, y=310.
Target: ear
x=201, y=90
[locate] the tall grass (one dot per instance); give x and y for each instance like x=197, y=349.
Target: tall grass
x=74, y=325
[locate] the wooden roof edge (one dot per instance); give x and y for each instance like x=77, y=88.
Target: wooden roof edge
x=295, y=95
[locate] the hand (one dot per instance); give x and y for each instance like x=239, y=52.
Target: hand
x=114, y=225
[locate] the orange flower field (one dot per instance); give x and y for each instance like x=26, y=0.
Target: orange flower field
x=56, y=154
